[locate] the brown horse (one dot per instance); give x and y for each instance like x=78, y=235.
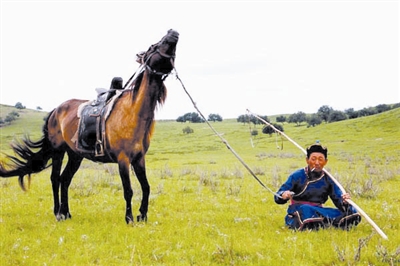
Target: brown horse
x=128, y=130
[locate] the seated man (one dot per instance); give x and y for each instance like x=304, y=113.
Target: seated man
x=307, y=189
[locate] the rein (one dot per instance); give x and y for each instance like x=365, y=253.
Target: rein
x=224, y=140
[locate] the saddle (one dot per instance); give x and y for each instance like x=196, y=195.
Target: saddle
x=90, y=135
x=89, y=138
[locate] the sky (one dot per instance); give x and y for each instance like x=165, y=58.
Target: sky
x=271, y=57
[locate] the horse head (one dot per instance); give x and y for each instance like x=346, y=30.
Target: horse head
x=160, y=57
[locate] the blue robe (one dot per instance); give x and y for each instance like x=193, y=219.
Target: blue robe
x=306, y=211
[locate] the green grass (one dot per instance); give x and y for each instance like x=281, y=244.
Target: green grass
x=205, y=208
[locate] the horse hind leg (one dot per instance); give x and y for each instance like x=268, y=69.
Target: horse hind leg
x=55, y=179
x=73, y=164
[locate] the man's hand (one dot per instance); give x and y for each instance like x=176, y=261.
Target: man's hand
x=345, y=197
x=287, y=195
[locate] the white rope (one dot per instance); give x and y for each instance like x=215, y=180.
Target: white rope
x=224, y=140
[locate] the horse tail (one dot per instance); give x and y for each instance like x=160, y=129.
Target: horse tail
x=28, y=161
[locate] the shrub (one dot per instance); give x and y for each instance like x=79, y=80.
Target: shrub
x=187, y=130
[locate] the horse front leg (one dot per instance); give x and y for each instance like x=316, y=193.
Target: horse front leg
x=140, y=171
x=123, y=166
x=74, y=162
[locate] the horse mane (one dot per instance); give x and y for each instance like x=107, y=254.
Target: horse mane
x=161, y=97
x=162, y=93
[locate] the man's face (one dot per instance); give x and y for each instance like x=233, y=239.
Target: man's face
x=316, y=161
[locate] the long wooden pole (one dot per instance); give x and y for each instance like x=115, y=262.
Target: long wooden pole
x=224, y=140
x=376, y=227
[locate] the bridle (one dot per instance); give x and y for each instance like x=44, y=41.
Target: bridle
x=144, y=65
x=162, y=74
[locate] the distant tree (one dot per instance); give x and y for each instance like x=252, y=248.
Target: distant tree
x=324, y=112
x=314, y=120
x=336, y=116
x=281, y=119
x=187, y=130
x=297, y=118
x=264, y=117
x=196, y=118
x=396, y=105
x=367, y=111
x=214, y=117
x=382, y=108
x=38, y=108
x=1, y=121
x=257, y=121
x=188, y=116
x=191, y=117
x=252, y=119
x=9, y=118
x=181, y=119
x=14, y=114
x=269, y=130
x=242, y=119
x=19, y=105
x=351, y=114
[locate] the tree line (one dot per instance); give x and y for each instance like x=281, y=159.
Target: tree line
x=9, y=118
x=196, y=118
x=329, y=115
x=324, y=114
x=12, y=116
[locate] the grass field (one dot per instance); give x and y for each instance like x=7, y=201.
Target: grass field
x=205, y=208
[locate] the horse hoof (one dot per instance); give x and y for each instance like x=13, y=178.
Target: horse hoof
x=129, y=220
x=141, y=218
x=62, y=217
